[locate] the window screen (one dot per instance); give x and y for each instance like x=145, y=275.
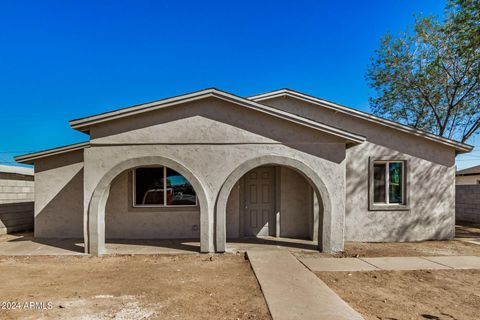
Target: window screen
x=379, y=182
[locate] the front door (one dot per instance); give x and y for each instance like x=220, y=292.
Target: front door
x=259, y=201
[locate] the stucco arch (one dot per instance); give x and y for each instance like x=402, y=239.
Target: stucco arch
x=96, y=210
x=312, y=177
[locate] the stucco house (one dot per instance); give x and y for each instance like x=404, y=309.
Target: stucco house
x=215, y=166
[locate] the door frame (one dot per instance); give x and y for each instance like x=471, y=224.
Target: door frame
x=274, y=218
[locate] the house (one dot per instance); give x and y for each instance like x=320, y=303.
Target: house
x=16, y=199
x=214, y=166
x=468, y=176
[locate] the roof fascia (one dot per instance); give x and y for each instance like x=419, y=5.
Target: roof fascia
x=461, y=147
x=29, y=158
x=84, y=123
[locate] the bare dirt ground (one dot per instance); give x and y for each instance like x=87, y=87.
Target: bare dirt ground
x=468, y=232
x=401, y=295
x=132, y=287
x=406, y=249
x=401, y=249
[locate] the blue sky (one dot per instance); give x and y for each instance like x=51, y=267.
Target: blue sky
x=61, y=60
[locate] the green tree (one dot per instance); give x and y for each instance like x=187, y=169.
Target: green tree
x=429, y=78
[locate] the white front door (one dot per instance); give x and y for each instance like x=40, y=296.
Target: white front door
x=259, y=201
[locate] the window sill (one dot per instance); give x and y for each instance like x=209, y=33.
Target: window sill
x=388, y=207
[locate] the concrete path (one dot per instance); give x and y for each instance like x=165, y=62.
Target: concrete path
x=293, y=292
x=25, y=245
x=337, y=264
x=391, y=263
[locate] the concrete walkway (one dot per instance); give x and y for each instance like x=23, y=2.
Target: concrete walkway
x=293, y=292
x=391, y=263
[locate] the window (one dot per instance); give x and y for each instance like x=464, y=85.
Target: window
x=161, y=187
x=387, y=184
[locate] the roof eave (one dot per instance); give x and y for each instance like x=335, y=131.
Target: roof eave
x=458, y=146
x=31, y=157
x=84, y=124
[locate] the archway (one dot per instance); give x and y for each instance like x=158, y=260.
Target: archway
x=95, y=225
x=321, y=192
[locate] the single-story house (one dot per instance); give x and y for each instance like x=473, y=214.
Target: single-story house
x=215, y=166
x=16, y=199
x=468, y=176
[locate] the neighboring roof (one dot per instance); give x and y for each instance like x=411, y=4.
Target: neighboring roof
x=460, y=147
x=28, y=158
x=469, y=171
x=83, y=124
x=16, y=170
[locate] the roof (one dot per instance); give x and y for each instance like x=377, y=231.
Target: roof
x=458, y=146
x=16, y=170
x=83, y=124
x=469, y=171
x=253, y=102
x=29, y=158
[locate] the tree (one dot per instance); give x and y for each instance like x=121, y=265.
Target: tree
x=430, y=78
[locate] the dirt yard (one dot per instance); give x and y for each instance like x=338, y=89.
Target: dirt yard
x=402, y=295
x=401, y=249
x=131, y=287
x=425, y=248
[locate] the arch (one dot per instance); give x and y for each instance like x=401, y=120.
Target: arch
x=325, y=228
x=95, y=226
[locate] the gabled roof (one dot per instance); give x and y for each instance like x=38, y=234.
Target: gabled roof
x=460, y=147
x=469, y=171
x=28, y=158
x=83, y=124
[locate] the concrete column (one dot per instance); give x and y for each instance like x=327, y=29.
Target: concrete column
x=206, y=228
x=220, y=228
x=96, y=223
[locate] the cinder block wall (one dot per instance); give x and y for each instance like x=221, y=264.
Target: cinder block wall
x=467, y=203
x=16, y=202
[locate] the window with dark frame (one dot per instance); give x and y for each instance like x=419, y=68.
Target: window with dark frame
x=161, y=187
x=388, y=182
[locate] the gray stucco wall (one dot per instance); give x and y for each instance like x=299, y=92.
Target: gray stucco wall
x=123, y=221
x=212, y=138
x=295, y=205
x=467, y=202
x=431, y=178
x=233, y=213
x=59, y=196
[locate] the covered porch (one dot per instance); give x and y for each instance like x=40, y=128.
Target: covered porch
x=24, y=244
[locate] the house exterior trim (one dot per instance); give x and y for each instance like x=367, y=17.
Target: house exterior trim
x=84, y=123
x=459, y=147
x=29, y=158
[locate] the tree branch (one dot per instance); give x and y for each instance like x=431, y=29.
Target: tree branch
x=472, y=130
